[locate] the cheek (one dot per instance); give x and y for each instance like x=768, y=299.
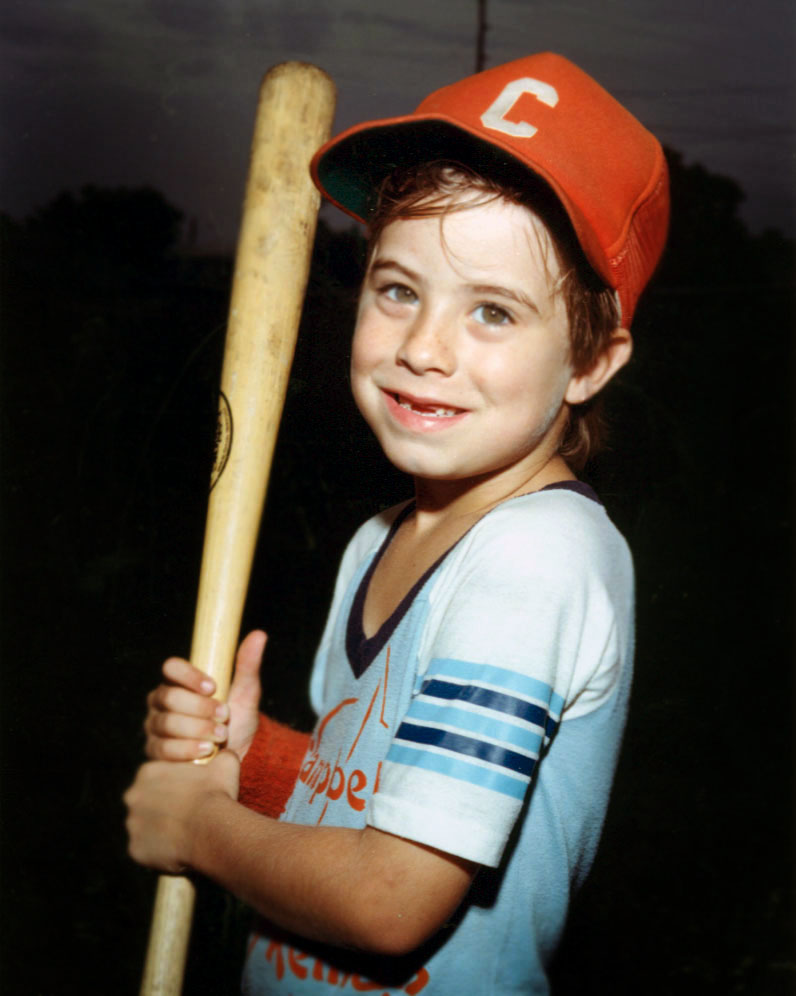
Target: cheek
x=365, y=345
x=517, y=378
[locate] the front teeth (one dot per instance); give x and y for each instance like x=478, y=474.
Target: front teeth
x=426, y=409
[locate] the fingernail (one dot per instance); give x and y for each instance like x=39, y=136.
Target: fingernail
x=220, y=734
x=207, y=685
x=205, y=748
x=222, y=712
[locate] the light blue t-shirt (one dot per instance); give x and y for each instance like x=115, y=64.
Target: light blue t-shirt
x=483, y=719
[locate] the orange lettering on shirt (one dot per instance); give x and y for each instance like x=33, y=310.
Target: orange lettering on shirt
x=323, y=781
x=295, y=958
x=274, y=953
x=331, y=779
x=363, y=985
x=329, y=716
x=384, y=696
x=296, y=963
x=356, y=783
x=364, y=723
x=338, y=783
x=418, y=984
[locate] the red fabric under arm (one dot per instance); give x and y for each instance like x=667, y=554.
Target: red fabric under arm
x=271, y=766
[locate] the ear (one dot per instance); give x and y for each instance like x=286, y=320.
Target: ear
x=615, y=355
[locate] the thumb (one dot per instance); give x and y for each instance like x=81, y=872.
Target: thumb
x=245, y=687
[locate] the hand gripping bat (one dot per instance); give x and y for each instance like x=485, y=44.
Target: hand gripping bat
x=280, y=209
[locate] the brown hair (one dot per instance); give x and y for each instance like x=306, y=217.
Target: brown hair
x=428, y=190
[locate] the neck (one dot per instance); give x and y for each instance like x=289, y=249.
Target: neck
x=473, y=497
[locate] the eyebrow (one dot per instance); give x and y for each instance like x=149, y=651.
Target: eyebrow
x=391, y=264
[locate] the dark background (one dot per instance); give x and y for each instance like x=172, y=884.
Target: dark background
x=112, y=338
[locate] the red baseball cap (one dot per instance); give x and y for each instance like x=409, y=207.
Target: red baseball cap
x=543, y=112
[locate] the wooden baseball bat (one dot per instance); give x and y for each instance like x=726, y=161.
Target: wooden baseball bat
x=294, y=117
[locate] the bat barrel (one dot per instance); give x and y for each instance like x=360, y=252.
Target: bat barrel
x=271, y=271
x=272, y=263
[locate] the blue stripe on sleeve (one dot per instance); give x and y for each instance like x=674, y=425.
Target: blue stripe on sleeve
x=511, y=681
x=477, y=723
x=486, y=699
x=446, y=764
x=455, y=742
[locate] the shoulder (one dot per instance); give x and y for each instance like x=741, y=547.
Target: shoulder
x=553, y=533
x=535, y=571
x=541, y=586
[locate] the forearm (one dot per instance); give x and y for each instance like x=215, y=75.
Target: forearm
x=353, y=888
x=260, y=860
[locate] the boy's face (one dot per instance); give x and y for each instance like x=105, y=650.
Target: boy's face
x=460, y=360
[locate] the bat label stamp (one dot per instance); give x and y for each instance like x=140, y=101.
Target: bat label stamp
x=223, y=439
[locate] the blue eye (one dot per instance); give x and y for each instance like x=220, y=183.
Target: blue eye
x=491, y=314
x=400, y=293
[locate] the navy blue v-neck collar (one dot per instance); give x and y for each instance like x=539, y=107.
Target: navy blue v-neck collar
x=362, y=650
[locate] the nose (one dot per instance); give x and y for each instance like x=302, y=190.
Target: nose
x=428, y=345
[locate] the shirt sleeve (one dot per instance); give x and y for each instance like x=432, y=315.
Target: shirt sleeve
x=523, y=631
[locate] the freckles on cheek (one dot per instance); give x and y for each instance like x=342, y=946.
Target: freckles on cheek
x=371, y=350
x=363, y=342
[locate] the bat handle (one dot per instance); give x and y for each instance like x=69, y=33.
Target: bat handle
x=169, y=934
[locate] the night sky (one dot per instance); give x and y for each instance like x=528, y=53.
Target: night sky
x=125, y=92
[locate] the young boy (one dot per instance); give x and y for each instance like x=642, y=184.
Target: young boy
x=472, y=681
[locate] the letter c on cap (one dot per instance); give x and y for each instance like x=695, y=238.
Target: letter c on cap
x=495, y=117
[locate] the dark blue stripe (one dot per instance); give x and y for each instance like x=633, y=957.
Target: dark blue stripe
x=488, y=699
x=467, y=745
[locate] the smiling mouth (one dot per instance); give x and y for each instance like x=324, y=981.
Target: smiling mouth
x=430, y=410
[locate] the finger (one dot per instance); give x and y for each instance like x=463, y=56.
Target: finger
x=171, y=749
x=171, y=699
x=169, y=725
x=182, y=672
